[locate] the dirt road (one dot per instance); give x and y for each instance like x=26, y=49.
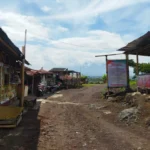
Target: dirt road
x=75, y=119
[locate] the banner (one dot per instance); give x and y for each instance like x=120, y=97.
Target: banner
x=117, y=73
x=143, y=81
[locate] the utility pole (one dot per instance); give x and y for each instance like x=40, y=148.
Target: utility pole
x=80, y=70
x=22, y=71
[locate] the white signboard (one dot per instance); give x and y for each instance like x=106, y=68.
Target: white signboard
x=117, y=73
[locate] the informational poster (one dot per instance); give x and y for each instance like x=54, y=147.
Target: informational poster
x=117, y=73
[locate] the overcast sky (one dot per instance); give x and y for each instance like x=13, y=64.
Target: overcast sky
x=69, y=33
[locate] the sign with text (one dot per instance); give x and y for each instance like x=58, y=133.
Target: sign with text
x=117, y=73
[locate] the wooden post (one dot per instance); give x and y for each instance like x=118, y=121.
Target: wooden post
x=127, y=69
x=107, y=74
x=137, y=64
x=137, y=68
x=33, y=85
x=67, y=78
x=22, y=71
x=22, y=79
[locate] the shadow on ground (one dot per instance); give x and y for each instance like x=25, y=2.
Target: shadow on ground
x=23, y=137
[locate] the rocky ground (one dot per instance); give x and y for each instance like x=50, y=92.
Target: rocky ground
x=77, y=119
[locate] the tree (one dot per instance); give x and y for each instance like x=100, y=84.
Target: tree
x=143, y=67
x=84, y=79
x=104, y=78
x=131, y=63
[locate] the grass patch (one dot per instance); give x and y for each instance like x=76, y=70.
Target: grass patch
x=133, y=84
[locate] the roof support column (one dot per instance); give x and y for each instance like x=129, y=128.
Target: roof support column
x=33, y=85
x=107, y=73
x=137, y=64
x=127, y=70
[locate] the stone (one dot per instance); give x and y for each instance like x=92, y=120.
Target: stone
x=136, y=93
x=128, y=114
x=84, y=144
x=77, y=132
x=107, y=112
x=111, y=99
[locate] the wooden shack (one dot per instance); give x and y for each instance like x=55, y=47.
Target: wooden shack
x=10, y=67
x=11, y=64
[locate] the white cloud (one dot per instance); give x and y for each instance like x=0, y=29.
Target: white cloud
x=74, y=10
x=78, y=43
x=54, y=57
x=62, y=29
x=93, y=40
x=78, y=51
x=61, y=54
x=58, y=1
x=46, y=9
x=15, y=24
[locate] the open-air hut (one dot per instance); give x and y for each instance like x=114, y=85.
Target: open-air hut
x=139, y=47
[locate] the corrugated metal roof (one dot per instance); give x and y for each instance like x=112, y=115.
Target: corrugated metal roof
x=58, y=69
x=72, y=71
x=8, y=46
x=32, y=72
x=42, y=71
x=141, y=46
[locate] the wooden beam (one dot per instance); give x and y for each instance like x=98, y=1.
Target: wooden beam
x=109, y=55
